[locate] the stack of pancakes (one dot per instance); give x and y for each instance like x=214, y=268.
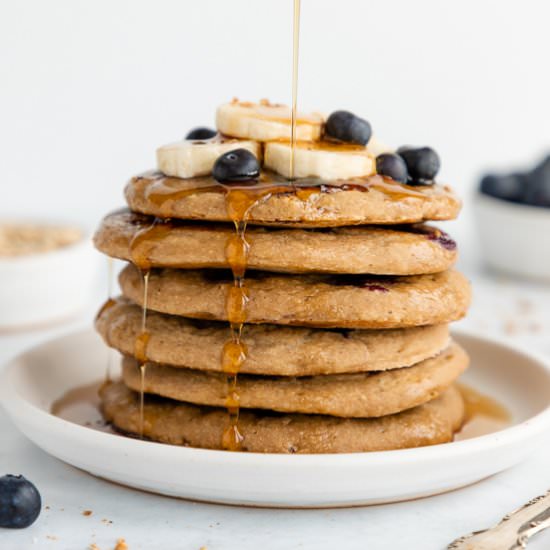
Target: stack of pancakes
x=347, y=301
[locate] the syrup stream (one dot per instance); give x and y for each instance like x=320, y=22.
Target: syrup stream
x=110, y=275
x=142, y=370
x=145, y=302
x=140, y=249
x=295, y=52
x=141, y=349
x=238, y=203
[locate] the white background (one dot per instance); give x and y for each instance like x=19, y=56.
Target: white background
x=88, y=90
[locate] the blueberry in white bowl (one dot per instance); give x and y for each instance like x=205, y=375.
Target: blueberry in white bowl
x=512, y=212
x=538, y=185
x=509, y=187
x=530, y=187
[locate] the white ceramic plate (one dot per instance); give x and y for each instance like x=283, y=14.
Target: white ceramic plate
x=31, y=383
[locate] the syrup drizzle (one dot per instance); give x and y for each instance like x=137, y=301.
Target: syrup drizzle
x=164, y=192
x=238, y=204
x=142, y=370
x=107, y=305
x=140, y=348
x=140, y=249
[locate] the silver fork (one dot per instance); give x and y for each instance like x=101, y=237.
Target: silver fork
x=514, y=530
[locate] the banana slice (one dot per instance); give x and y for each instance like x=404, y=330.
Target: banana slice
x=190, y=158
x=320, y=160
x=266, y=122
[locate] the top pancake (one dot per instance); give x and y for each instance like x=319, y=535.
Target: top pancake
x=306, y=203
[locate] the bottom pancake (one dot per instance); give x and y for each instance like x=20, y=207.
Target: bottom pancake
x=179, y=423
x=358, y=395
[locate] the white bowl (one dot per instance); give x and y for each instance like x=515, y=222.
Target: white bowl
x=515, y=238
x=47, y=286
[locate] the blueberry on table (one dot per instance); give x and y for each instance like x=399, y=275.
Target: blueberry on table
x=201, y=133
x=237, y=166
x=346, y=126
x=20, y=502
x=422, y=163
x=510, y=187
x=393, y=166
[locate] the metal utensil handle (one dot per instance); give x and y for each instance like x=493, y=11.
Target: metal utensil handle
x=514, y=530
x=533, y=527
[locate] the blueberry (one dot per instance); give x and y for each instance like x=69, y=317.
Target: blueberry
x=201, y=133
x=538, y=195
x=510, y=187
x=393, y=166
x=538, y=184
x=20, y=502
x=542, y=170
x=239, y=165
x=422, y=163
x=345, y=126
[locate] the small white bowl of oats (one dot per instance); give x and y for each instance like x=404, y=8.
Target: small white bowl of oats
x=47, y=273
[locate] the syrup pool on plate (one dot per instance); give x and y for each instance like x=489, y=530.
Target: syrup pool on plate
x=484, y=414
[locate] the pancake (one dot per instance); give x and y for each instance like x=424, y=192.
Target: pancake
x=348, y=395
x=370, y=200
x=271, y=349
x=377, y=250
x=177, y=423
x=308, y=300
